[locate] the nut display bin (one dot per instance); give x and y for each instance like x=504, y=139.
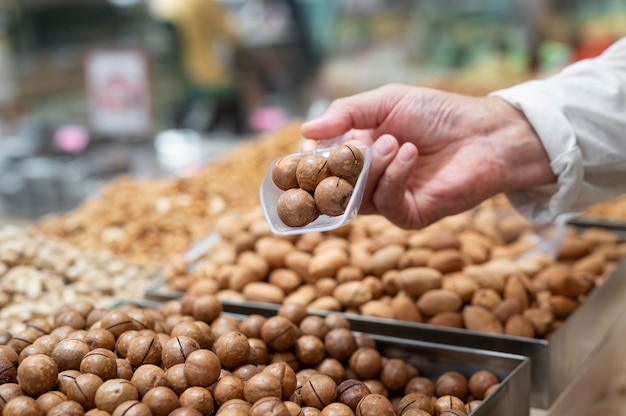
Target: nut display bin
x=553, y=363
x=594, y=378
x=511, y=398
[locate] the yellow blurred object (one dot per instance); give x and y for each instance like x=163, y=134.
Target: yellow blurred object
x=481, y=78
x=207, y=40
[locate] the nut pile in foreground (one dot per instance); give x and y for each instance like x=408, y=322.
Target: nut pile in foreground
x=39, y=274
x=463, y=272
x=314, y=184
x=187, y=358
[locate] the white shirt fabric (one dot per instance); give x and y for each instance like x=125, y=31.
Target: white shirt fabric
x=580, y=117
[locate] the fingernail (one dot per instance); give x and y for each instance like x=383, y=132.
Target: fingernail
x=406, y=153
x=383, y=146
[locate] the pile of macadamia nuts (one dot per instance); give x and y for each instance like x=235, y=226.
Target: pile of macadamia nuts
x=38, y=274
x=469, y=271
x=189, y=358
x=314, y=184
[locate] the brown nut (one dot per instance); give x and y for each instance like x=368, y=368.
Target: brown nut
x=346, y=161
x=114, y=392
x=22, y=339
x=8, y=372
x=130, y=408
x=446, y=260
x=263, y=384
x=83, y=390
x=99, y=338
x=314, y=325
x=296, y=208
x=177, y=349
x=258, y=351
x=68, y=353
x=161, y=400
x=366, y=362
x=235, y=407
x=419, y=384
x=246, y=371
x=340, y=343
x=449, y=402
x=284, y=172
x=198, y=398
x=279, y=333
x=451, y=383
x=286, y=375
x=269, y=406
x=117, y=322
x=352, y=294
x=481, y=319
x=123, y=342
x=351, y=391
x=375, y=405
x=227, y=388
x=480, y=381
x=447, y=319
x=202, y=368
x=332, y=196
x=394, y=374
x=311, y=170
x=518, y=325
x=144, y=349
x=147, y=377
x=251, y=325
x=175, y=376
x=435, y=301
x=101, y=362
x=37, y=374
x=22, y=406
x=336, y=409
x=309, y=349
x=232, y=349
x=189, y=411
x=416, y=280
x=332, y=368
x=294, y=312
x=318, y=391
x=416, y=401
x=47, y=400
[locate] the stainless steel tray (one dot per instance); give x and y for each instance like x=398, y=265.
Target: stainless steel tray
x=511, y=398
x=593, y=379
x=618, y=227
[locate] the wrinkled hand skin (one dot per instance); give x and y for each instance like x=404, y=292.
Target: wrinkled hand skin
x=434, y=153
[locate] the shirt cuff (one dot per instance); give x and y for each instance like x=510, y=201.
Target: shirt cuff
x=543, y=204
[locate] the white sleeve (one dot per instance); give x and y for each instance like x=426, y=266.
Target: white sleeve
x=580, y=117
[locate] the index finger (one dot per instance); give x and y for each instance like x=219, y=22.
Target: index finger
x=365, y=110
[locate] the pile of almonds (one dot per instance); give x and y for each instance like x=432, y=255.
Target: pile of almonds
x=146, y=220
x=473, y=270
x=614, y=209
x=188, y=358
x=38, y=274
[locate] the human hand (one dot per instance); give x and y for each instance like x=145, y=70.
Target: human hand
x=435, y=153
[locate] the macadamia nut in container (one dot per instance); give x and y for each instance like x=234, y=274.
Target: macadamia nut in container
x=315, y=191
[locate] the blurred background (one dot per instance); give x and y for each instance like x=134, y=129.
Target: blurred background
x=94, y=89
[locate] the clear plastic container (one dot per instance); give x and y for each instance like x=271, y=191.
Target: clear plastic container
x=270, y=194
